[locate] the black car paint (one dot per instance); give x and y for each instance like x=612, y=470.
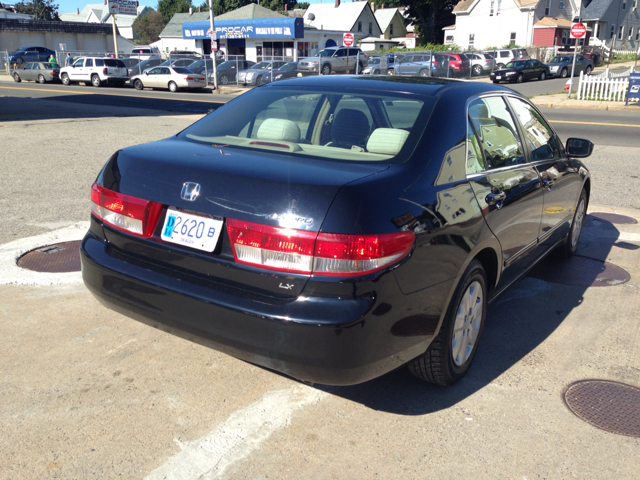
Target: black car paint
x=326, y=330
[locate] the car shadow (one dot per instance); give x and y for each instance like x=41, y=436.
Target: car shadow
x=125, y=104
x=517, y=322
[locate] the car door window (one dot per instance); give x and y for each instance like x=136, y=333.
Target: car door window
x=99, y=62
x=35, y=66
x=88, y=62
x=539, y=135
x=475, y=160
x=497, y=133
x=165, y=71
x=78, y=63
x=154, y=71
x=28, y=66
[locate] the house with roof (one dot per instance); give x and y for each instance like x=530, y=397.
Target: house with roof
x=391, y=23
x=354, y=17
x=99, y=13
x=614, y=22
x=484, y=23
x=252, y=31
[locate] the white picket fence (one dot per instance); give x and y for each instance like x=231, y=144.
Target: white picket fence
x=609, y=74
x=602, y=88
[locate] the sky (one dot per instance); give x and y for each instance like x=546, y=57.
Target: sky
x=71, y=5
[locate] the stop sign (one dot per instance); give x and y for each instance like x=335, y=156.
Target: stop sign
x=578, y=30
x=347, y=39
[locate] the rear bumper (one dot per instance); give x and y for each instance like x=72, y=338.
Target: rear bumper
x=335, y=341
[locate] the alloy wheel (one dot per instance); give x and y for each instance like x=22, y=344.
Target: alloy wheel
x=467, y=323
x=576, y=228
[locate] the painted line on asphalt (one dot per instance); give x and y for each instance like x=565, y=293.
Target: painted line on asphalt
x=235, y=439
x=179, y=99
x=597, y=123
x=11, y=273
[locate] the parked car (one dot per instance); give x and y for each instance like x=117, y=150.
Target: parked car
x=172, y=78
x=96, y=71
x=481, y=63
x=41, y=72
x=373, y=65
x=139, y=68
x=520, y=71
x=334, y=59
x=31, y=54
x=561, y=65
x=503, y=56
x=520, y=53
x=256, y=73
x=317, y=238
x=288, y=70
x=177, y=62
x=145, y=53
x=227, y=71
x=199, y=66
x=416, y=64
x=459, y=65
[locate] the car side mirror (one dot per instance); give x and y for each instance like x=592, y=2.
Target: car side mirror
x=579, y=147
x=146, y=73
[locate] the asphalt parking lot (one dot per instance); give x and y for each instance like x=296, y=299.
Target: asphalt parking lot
x=88, y=393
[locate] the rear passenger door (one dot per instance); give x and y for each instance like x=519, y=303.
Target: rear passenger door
x=505, y=184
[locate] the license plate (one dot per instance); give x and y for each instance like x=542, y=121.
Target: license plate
x=498, y=77
x=191, y=230
x=196, y=80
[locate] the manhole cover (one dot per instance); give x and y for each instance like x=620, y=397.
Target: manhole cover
x=59, y=257
x=613, y=218
x=580, y=272
x=605, y=404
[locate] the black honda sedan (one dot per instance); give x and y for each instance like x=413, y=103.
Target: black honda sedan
x=521, y=71
x=336, y=228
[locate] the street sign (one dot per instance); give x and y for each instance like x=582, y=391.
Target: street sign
x=634, y=87
x=212, y=34
x=347, y=39
x=214, y=45
x=578, y=30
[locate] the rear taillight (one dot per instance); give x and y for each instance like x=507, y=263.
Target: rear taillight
x=188, y=78
x=300, y=251
x=105, y=70
x=124, y=212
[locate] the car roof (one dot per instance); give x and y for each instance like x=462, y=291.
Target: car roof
x=431, y=86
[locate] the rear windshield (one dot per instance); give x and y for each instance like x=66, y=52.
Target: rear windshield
x=112, y=62
x=319, y=122
x=49, y=66
x=181, y=70
x=516, y=64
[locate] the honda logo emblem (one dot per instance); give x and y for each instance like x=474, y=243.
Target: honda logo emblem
x=190, y=191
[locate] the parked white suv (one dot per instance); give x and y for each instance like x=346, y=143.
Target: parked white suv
x=95, y=70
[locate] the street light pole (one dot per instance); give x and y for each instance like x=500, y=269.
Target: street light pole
x=213, y=53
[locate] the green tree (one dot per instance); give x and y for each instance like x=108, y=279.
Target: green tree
x=147, y=27
x=40, y=9
x=170, y=7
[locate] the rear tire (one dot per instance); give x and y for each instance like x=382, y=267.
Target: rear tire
x=95, y=81
x=16, y=78
x=451, y=353
x=573, y=238
x=587, y=70
x=173, y=87
x=138, y=84
x=41, y=79
x=64, y=78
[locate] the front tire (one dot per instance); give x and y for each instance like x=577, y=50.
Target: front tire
x=16, y=78
x=95, y=81
x=520, y=78
x=564, y=73
x=451, y=353
x=224, y=80
x=326, y=69
x=138, y=84
x=476, y=70
x=173, y=87
x=65, y=79
x=573, y=238
x=391, y=71
x=424, y=72
x=543, y=76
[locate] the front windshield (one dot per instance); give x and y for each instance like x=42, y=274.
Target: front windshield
x=288, y=67
x=560, y=60
x=324, y=53
x=518, y=64
x=261, y=66
x=318, y=122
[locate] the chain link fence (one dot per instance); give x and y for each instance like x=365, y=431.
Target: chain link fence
x=5, y=67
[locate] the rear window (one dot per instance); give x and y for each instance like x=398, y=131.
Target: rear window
x=182, y=71
x=318, y=122
x=113, y=62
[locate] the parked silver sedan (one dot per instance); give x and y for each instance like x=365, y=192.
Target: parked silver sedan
x=255, y=74
x=40, y=72
x=560, y=65
x=173, y=78
x=481, y=63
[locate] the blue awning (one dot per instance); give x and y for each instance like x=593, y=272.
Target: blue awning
x=249, y=28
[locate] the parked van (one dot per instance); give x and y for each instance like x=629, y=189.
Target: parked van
x=145, y=53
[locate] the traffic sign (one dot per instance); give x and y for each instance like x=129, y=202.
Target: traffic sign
x=212, y=34
x=347, y=39
x=214, y=45
x=578, y=30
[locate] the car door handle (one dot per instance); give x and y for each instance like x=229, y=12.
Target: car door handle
x=494, y=198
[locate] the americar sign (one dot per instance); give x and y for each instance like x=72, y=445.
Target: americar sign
x=123, y=7
x=249, y=28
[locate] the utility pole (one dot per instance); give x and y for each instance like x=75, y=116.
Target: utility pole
x=213, y=53
x=115, y=36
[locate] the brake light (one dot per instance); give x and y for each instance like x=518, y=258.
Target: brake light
x=124, y=212
x=299, y=251
x=188, y=78
x=105, y=70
